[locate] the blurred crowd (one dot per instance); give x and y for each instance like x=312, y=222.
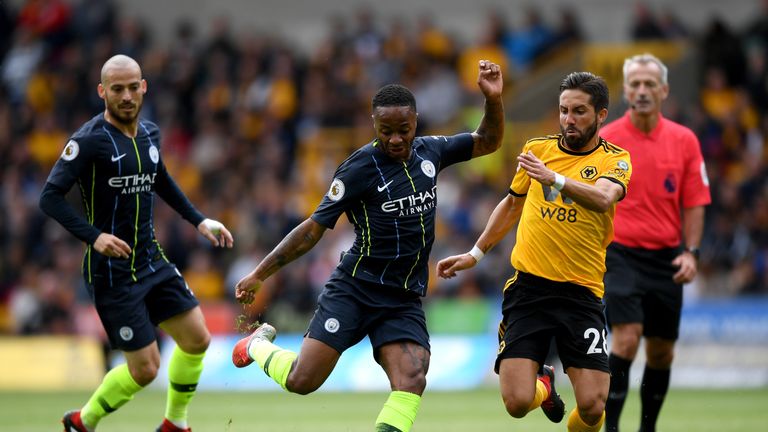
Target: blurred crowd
x=253, y=128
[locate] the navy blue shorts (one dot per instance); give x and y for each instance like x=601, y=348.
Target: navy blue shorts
x=535, y=310
x=349, y=309
x=130, y=310
x=639, y=289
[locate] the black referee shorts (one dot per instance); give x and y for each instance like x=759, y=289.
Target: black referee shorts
x=639, y=289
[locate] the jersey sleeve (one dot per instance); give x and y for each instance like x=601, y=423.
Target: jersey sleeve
x=521, y=182
x=172, y=194
x=452, y=149
x=696, y=182
x=76, y=157
x=617, y=167
x=345, y=190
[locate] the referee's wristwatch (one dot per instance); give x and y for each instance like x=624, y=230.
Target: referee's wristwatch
x=693, y=250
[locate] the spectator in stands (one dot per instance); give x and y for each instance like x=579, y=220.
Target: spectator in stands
x=671, y=26
x=26, y=53
x=645, y=26
x=722, y=48
x=433, y=42
x=7, y=27
x=366, y=39
x=45, y=141
x=757, y=28
x=93, y=19
x=131, y=38
x=568, y=28
x=48, y=20
x=756, y=84
x=525, y=44
x=485, y=47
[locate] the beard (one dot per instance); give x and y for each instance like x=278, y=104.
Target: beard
x=123, y=117
x=580, y=141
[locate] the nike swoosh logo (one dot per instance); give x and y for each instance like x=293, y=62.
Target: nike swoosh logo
x=117, y=158
x=381, y=188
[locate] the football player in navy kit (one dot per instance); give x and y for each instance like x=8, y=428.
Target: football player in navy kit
x=388, y=191
x=115, y=160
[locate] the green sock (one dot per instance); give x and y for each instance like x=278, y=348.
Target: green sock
x=275, y=361
x=399, y=412
x=184, y=371
x=117, y=388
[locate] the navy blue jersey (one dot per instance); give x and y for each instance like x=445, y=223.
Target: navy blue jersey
x=117, y=176
x=391, y=205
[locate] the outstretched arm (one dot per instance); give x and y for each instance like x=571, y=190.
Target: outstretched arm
x=504, y=217
x=489, y=134
x=172, y=194
x=298, y=242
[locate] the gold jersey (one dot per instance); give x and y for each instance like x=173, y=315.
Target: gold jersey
x=557, y=238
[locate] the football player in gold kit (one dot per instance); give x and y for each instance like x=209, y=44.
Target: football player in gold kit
x=564, y=196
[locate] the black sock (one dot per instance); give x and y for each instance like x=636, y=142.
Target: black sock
x=618, y=391
x=653, y=390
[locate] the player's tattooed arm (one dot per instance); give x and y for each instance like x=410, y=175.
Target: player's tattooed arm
x=298, y=242
x=489, y=133
x=303, y=238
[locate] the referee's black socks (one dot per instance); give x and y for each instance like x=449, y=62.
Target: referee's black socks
x=618, y=391
x=653, y=391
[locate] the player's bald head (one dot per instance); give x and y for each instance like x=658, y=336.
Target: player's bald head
x=120, y=64
x=122, y=89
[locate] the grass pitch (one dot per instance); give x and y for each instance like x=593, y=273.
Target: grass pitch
x=478, y=410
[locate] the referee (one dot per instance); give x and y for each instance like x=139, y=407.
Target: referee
x=655, y=250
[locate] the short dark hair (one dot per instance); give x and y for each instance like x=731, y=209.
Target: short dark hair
x=590, y=84
x=393, y=95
